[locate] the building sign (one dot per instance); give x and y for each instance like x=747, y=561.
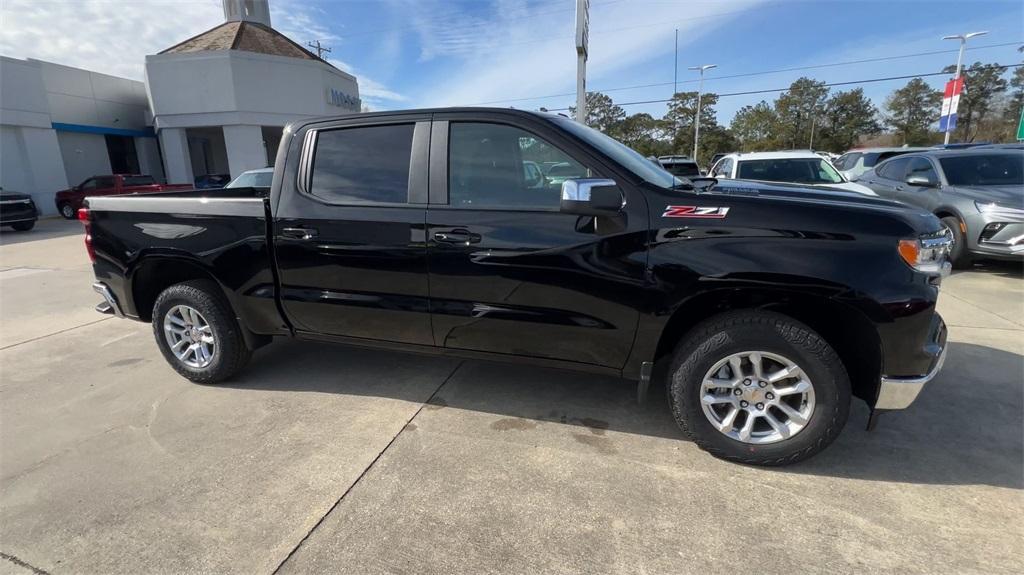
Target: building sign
x=343, y=100
x=950, y=102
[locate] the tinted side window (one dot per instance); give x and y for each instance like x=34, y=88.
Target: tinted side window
x=893, y=169
x=364, y=165
x=105, y=182
x=922, y=167
x=486, y=168
x=89, y=184
x=144, y=180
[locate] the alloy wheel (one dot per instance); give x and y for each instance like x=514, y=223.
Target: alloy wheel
x=189, y=336
x=757, y=397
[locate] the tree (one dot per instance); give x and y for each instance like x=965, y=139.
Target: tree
x=602, y=112
x=754, y=127
x=983, y=84
x=643, y=133
x=912, y=110
x=1013, y=106
x=797, y=110
x=847, y=116
x=682, y=109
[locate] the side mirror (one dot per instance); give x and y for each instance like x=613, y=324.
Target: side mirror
x=591, y=197
x=921, y=182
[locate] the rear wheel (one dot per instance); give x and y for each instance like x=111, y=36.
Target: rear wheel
x=958, y=255
x=758, y=388
x=197, y=333
x=24, y=226
x=67, y=211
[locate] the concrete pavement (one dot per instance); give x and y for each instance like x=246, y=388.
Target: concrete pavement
x=325, y=458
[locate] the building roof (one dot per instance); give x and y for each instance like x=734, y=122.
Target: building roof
x=246, y=37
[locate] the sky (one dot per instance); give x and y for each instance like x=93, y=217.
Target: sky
x=521, y=53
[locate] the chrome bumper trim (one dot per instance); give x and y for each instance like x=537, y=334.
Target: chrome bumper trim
x=102, y=289
x=899, y=392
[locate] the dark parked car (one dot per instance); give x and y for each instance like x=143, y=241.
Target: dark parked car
x=210, y=181
x=978, y=193
x=17, y=211
x=765, y=307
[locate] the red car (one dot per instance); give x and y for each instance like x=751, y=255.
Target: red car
x=68, y=201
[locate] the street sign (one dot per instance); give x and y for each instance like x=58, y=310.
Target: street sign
x=950, y=102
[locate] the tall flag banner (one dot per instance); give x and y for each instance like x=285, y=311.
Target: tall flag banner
x=950, y=102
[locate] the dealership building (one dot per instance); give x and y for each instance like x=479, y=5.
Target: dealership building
x=215, y=103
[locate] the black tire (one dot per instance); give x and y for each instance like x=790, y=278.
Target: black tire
x=959, y=257
x=735, y=332
x=67, y=211
x=205, y=296
x=24, y=226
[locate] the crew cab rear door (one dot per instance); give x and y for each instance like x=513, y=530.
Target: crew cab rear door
x=510, y=273
x=348, y=230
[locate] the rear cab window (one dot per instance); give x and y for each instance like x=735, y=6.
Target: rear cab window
x=362, y=164
x=139, y=181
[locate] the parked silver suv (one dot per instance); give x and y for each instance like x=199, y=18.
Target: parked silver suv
x=977, y=193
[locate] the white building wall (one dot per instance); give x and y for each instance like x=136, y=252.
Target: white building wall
x=177, y=164
x=149, y=158
x=85, y=156
x=245, y=148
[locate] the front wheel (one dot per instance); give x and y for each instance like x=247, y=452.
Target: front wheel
x=197, y=333
x=758, y=388
x=67, y=211
x=958, y=255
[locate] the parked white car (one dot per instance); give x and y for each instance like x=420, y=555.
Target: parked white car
x=805, y=167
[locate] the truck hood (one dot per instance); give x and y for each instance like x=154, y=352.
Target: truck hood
x=921, y=220
x=847, y=193
x=1010, y=196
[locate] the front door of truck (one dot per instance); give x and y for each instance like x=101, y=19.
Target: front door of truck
x=511, y=274
x=349, y=231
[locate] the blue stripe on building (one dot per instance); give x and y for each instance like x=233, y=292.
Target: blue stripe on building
x=83, y=129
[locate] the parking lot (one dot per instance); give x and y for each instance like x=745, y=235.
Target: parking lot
x=323, y=458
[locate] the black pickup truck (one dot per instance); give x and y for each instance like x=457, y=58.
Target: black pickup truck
x=764, y=308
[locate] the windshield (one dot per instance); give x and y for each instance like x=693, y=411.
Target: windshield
x=984, y=170
x=252, y=180
x=621, y=153
x=139, y=180
x=793, y=170
x=684, y=169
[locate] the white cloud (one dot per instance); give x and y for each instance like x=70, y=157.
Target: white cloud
x=113, y=38
x=523, y=49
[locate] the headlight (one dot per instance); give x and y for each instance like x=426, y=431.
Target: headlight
x=1000, y=211
x=927, y=254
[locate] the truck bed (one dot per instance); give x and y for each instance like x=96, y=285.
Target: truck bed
x=141, y=239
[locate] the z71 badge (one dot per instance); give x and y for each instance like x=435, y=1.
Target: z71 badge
x=694, y=212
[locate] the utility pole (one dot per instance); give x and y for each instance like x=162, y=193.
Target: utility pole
x=696, y=118
x=320, y=50
x=814, y=117
x=582, y=32
x=959, y=67
x=675, y=68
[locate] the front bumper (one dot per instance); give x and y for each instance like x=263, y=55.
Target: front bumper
x=14, y=211
x=898, y=392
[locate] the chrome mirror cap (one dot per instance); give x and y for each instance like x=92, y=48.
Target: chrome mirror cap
x=580, y=190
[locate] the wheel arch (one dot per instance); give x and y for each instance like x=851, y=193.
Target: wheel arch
x=153, y=274
x=850, y=333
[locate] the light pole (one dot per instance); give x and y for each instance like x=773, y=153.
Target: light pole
x=696, y=119
x=959, y=60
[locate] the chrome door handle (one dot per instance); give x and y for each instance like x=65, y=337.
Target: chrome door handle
x=300, y=233
x=457, y=237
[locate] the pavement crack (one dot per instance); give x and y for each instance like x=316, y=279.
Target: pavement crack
x=54, y=333
x=23, y=564
x=365, y=471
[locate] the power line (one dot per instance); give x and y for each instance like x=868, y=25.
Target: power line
x=829, y=85
x=761, y=73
